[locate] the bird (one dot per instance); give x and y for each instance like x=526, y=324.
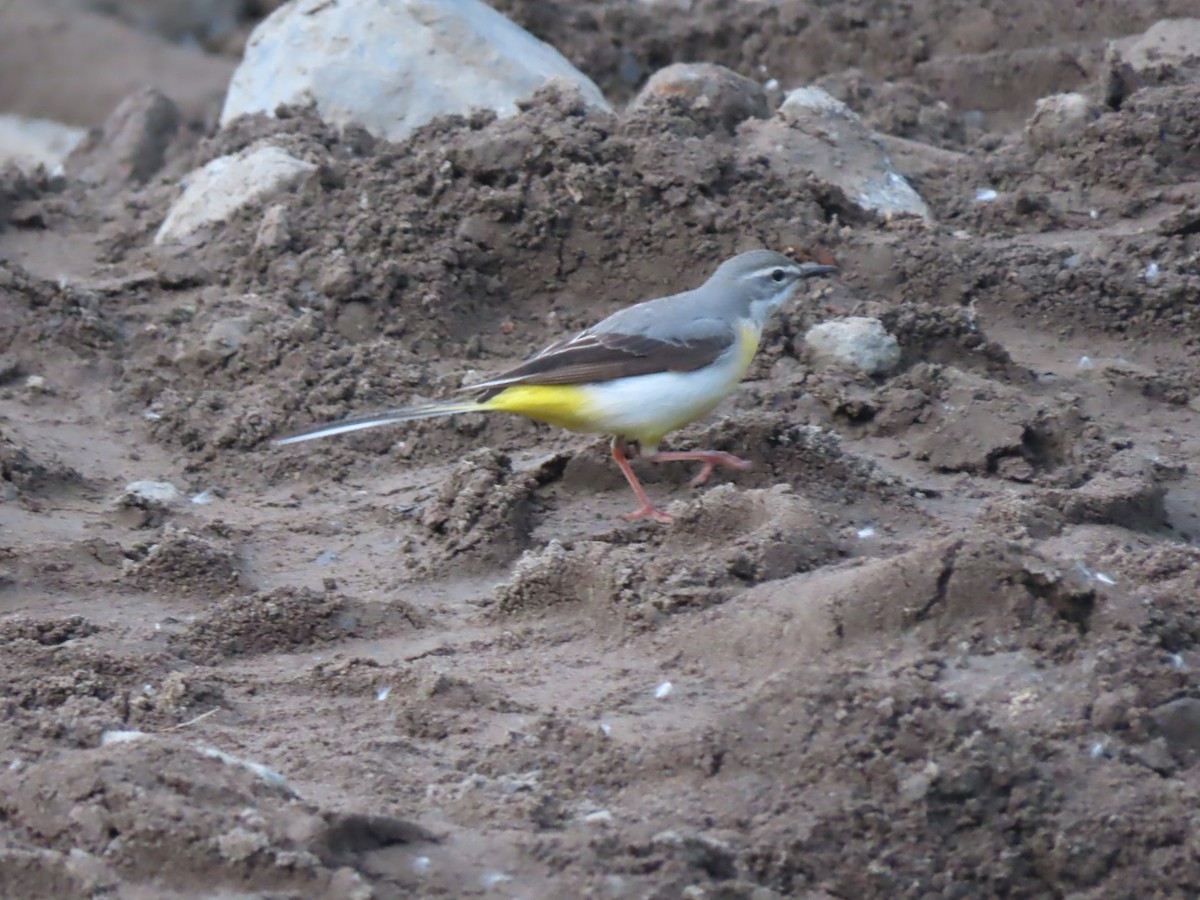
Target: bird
x=637, y=375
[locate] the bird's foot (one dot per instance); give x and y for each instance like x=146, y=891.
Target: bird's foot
x=710, y=458
x=647, y=511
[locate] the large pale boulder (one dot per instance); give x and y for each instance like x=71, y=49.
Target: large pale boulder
x=814, y=133
x=412, y=61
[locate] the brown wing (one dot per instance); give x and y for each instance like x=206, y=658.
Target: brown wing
x=592, y=357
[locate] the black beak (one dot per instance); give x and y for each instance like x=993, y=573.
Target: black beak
x=811, y=270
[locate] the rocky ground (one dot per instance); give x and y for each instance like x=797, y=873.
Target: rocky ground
x=941, y=641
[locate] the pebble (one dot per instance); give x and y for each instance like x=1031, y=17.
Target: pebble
x=225, y=185
x=1057, y=121
x=152, y=492
x=714, y=94
x=131, y=146
x=1178, y=721
x=856, y=341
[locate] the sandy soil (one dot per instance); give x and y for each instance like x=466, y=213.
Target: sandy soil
x=941, y=641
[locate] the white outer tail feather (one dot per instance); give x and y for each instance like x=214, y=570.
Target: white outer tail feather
x=388, y=417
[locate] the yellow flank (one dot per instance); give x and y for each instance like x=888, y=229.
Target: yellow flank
x=749, y=335
x=555, y=404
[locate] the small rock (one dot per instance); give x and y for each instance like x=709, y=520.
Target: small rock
x=240, y=844
x=1156, y=756
x=494, y=879
x=1110, y=711
x=857, y=341
x=29, y=143
x=132, y=144
x=275, y=230
x=1057, y=121
x=152, y=492
x=226, y=184
x=1179, y=723
x=336, y=280
x=700, y=851
x=145, y=504
x=226, y=335
x=715, y=95
x=356, y=321
x=815, y=134
x=412, y=62
x=92, y=874
x=1015, y=468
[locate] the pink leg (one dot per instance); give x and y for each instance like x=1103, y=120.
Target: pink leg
x=647, y=508
x=710, y=458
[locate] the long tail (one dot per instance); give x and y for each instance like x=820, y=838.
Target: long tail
x=387, y=417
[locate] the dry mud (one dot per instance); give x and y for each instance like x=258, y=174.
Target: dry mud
x=941, y=640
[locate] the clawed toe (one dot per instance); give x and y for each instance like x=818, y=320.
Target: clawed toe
x=662, y=517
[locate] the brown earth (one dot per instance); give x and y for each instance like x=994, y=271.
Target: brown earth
x=939, y=641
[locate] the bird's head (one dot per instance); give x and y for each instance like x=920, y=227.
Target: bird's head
x=762, y=280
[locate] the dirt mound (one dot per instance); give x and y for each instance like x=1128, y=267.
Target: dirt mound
x=276, y=621
x=170, y=816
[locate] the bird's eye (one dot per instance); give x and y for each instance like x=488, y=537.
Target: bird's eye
x=778, y=275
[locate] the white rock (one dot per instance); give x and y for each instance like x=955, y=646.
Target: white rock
x=857, y=341
x=815, y=133
x=255, y=768
x=153, y=492
x=29, y=143
x=120, y=737
x=412, y=60
x=1057, y=121
x=225, y=185
x=1168, y=42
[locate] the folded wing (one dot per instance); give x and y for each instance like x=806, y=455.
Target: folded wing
x=603, y=356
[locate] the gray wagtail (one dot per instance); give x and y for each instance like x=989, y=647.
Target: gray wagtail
x=639, y=374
